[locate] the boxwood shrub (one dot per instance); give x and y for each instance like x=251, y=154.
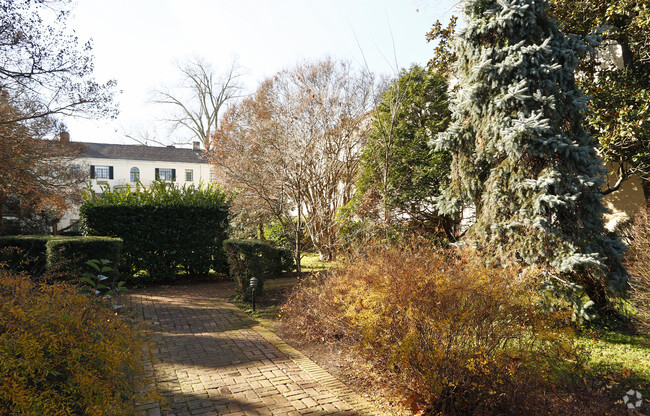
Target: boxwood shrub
x=68, y=256
x=254, y=258
x=24, y=254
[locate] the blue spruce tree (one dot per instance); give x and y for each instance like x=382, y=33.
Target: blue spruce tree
x=521, y=155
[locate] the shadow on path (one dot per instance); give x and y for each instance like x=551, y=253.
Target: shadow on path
x=210, y=358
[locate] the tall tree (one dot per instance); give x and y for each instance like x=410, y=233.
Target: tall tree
x=36, y=176
x=397, y=162
x=616, y=76
x=44, y=73
x=43, y=68
x=521, y=155
x=200, y=98
x=295, y=145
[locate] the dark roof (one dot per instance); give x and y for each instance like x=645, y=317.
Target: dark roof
x=140, y=152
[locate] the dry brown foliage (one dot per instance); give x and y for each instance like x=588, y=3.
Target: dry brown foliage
x=458, y=337
x=638, y=265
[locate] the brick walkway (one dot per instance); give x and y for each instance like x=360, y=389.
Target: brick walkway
x=210, y=358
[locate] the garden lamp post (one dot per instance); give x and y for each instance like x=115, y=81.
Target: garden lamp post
x=253, y=286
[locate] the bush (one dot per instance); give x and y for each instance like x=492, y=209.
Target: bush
x=62, y=353
x=24, y=254
x=68, y=256
x=463, y=337
x=166, y=229
x=254, y=258
x=638, y=265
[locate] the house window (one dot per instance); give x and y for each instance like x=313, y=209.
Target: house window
x=166, y=174
x=212, y=175
x=135, y=175
x=101, y=172
x=189, y=175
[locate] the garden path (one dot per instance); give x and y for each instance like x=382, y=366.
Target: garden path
x=210, y=358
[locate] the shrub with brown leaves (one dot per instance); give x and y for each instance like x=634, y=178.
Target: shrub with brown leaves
x=464, y=337
x=638, y=265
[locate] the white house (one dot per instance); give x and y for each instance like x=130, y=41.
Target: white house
x=118, y=165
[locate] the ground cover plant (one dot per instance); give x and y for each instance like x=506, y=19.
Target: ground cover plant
x=63, y=353
x=457, y=336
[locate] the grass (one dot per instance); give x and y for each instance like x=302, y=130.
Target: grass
x=310, y=262
x=627, y=356
x=277, y=289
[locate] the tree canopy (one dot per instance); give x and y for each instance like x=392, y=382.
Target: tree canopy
x=43, y=68
x=616, y=76
x=44, y=74
x=397, y=162
x=295, y=145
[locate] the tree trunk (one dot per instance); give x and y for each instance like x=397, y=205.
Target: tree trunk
x=2, y=204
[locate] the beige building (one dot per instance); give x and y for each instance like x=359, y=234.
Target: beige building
x=119, y=165
x=625, y=202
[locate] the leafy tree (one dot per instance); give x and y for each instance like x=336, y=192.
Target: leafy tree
x=619, y=111
x=520, y=154
x=397, y=162
x=295, y=145
x=38, y=178
x=443, y=54
x=44, y=73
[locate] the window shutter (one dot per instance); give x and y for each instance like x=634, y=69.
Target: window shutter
x=92, y=171
x=110, y=172
x=173, y=175
x=157, y=174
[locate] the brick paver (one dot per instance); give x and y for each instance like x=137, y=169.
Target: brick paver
x=210, y=358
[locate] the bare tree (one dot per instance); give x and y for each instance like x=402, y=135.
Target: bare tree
x=200, y=98
x=43, y=68
x=295, y=145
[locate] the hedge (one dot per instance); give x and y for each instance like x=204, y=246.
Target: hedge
x=24, y=254
x=166, y=229
x=68, y=256
x=254, y=258
x=60, y=256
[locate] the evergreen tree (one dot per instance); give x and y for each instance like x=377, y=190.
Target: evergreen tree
x=521, y=155
x=397, y=163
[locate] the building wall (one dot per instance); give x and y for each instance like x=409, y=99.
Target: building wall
x=624, y=203
x=122, y=176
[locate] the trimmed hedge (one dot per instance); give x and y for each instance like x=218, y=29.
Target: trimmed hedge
x=60, y=256
x=166, y=229
x=24, y=254
x=254, y=258
x=68, y=256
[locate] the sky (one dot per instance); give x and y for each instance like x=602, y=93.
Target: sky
x=139, y=43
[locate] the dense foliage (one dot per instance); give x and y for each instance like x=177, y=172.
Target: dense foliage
x=68, y=256
x=521, y=156
x=57, y=256
x=62, y=353
x=398, y=173
x=616, y=76
x=166, y=228
x=258, y=259
x=460, y=337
